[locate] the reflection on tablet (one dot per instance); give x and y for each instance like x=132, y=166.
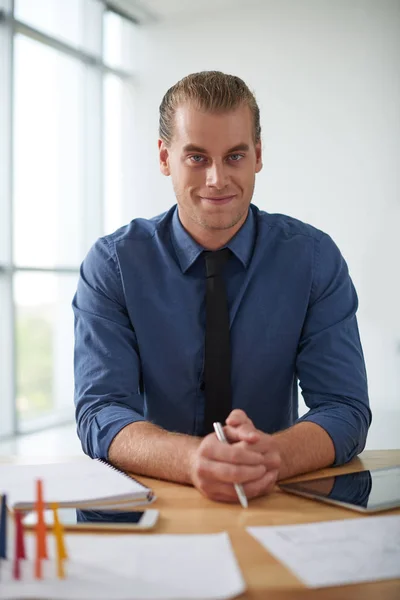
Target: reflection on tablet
x=108, y=516
x=365, y=491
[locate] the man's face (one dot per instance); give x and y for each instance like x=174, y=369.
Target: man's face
x=212, y=161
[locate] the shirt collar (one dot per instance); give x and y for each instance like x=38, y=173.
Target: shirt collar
x=188, y=250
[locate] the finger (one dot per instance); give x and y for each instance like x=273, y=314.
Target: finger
x=246, y=433
x=225, y=492
x=257, y=440
x=228, y=473
x=219, y=492
x=237, y=417
x=262, y=486
x=272, y=461
x=237, y=454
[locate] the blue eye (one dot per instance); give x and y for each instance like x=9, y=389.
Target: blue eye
x=236, y=157
x=197, y=158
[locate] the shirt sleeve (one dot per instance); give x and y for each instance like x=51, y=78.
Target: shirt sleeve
x=330, y=362
x=106, y=359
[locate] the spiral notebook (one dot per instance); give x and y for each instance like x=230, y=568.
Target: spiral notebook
x=79, y=483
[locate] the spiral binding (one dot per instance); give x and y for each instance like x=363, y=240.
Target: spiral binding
x=149, y=494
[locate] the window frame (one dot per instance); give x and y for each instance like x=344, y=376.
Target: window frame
x=93, y=184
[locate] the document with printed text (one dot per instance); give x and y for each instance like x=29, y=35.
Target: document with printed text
x=336, y=552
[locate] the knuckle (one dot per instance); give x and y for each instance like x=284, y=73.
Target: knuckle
x=207, y=442
x=277, y=460
x=273, y=461
x=207, y=446
x=236, y=454
x=202, y=468
x=201, y=451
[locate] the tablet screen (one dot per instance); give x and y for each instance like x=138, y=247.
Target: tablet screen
x=366, y=490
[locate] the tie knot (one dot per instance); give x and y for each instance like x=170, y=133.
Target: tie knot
x=215, y=261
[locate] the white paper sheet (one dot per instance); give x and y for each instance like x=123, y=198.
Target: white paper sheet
x=74, y=482
x=129, y=567
x=336, y=552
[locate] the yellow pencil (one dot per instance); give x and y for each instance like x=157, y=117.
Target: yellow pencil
x=58, y=530
x=41, y=549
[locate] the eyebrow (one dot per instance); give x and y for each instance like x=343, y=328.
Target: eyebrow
x=194, y=148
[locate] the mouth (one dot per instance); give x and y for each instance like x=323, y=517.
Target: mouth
x=217, y=200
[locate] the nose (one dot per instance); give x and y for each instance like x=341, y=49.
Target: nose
x=217, y=176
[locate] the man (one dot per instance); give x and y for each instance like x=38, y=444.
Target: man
x=158, y=357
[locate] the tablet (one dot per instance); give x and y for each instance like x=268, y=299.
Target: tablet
x=365, y=491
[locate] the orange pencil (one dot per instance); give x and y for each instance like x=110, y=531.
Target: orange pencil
x=58, y=530
x=40, y=530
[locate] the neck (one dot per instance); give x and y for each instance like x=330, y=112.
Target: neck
x=210, y=239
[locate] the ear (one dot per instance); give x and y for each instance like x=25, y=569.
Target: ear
x=259, y=163
x=164, y=158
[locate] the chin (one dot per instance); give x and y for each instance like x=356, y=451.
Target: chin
x=220, y=222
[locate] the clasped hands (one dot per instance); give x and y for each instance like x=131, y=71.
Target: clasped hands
x=252, y=459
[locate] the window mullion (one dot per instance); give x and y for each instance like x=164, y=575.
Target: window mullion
x=7, y=346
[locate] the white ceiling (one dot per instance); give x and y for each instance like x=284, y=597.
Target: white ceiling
x=146, y=10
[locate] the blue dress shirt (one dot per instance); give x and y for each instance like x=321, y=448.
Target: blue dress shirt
x=140, y=322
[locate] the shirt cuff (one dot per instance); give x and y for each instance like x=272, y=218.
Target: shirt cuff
x=106, y=424
x=347, y=434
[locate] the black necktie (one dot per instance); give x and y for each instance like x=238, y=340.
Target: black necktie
x=217, y=362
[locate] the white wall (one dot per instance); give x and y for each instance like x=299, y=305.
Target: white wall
x=327, y=78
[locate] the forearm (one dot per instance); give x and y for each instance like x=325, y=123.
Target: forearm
x=146, y=449
x=304, y=447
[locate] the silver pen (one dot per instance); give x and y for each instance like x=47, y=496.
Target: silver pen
x=238, y=488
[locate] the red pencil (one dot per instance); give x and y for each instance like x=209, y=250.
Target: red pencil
x=16, y=565
x=20, y=535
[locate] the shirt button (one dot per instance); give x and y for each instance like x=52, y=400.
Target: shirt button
x=202, y=386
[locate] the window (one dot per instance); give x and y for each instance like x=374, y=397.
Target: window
x=119, y=42
x=118, y=150
x=44, y=344
x=66, y=20
x=48, y=201
x=63, y=150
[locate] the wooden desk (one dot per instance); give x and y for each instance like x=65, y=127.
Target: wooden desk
x=184, y=510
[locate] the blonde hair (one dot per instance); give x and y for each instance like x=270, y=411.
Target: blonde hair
x=210, y=91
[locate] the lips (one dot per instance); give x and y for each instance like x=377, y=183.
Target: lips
x=217, y=199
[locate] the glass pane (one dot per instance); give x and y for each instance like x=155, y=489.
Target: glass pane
x=44, y=345
x=6, y=358
x=48, y=157
x=70, y=21
x=119, y=42
x=113, y=152
x=5, y=134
